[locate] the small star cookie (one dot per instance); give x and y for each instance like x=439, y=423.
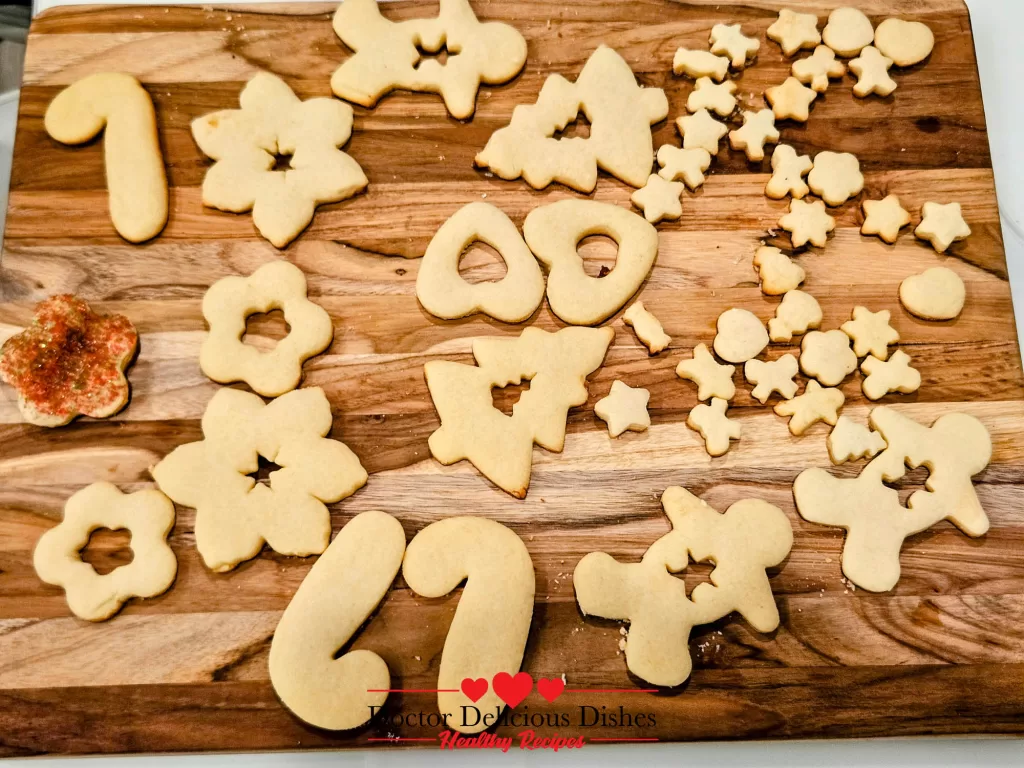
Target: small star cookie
x=701, y=131
x=871, y=332
x=935, y=294
x=872, y=71
x=713, y=379
x=777, y=272
x=847, y=31
x=794, y=31
x=757, y=130
x=686, y=164
x=729, y=40
x=791, y=100
x=797, y=312
x=885, y=218
x=942, y=225
x=788, y=171
x=699, y=64
x=814, y=405
x=646, y=327
x=827, y=357
x=905, y=42
x=892, y=375
x=659, y=199
x=818, y=68
x=740, y=336
x=717, y=97
x=850, y=441
x=625, y=408
x=835, y=177
x=807, y=222
x=713, y=425
x=772, y=376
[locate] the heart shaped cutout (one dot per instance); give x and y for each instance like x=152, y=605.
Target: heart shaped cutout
x=550, y=688
x=474, y=689
x=512, y=689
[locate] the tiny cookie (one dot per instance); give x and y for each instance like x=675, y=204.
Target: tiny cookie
x=339, y=593
x=701, y=131
x=849, y=441
x=647, y=327
x=885, y=218
x=826, y=355
x=942, y=225
x=729, y=40
x=847, y=31
x=872, y=71
x=835, y=177
x=777, y=272
x=388, y=54
x=905, y=42
x=136, y=180
x=625, y=408
x=772, y=376
x=788, y=171
x=444, y=293
x=228, y=302
x=659, y=199
x=892, y=375
x=553, y=232
x=797, y=312
x=713, y=379
x=814, y=405
x=807, y=222
x=757, y=130
x=491, y=625
x=935, y=294
x=147, y=515
x=740, y=336
x=699, y=64
x=871, y=332
x=818, y=68
x=713, y=425
x=686, y=164
x=794, y=31
x=791, y=100
x=717, y=97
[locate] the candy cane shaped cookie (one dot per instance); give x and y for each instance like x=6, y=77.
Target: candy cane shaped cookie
x=488, y=634
x=136, y=181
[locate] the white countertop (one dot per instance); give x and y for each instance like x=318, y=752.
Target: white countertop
x=997, y=26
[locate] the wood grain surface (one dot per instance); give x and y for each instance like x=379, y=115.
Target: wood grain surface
x=942, y=653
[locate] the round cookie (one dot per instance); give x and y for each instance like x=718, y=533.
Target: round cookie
x=935, y=294
x=847, y=32
x=741, y=336
x=905, y=42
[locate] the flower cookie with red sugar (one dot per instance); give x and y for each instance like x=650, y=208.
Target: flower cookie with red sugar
x=70, y=361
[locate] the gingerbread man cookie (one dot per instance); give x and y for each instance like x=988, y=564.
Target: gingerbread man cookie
x=818, y=68
x=815, y=404
x=757, y=130
x=872, y=71
x=714, y=426
x=686, y=164
x=892, y=375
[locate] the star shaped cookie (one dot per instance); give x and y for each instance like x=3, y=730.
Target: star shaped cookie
x=686, y=164
x=659, y=199
x=807, y=222
x=818, y=68
x=885, y=218
x=729, y=40
x=942, y=225
x=701, y=131
x=758, y=129
x=794, y=31
x=871, y=332
x=625, y=408
x=791, y=100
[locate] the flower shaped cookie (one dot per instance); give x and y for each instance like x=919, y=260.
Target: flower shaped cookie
x=149, y=515
x=273, y=121
x=69, y=361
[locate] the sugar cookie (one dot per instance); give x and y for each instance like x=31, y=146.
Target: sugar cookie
x=500, y=446
x=620, y=113
x=847, y=31
x=777, y=272
x=870, y=332
x=814, y=405
x=492, y=622
x=716, y=97
x=905, y=42
x=892, y=375
x=757, y=130
x=942, y=225
x=713, y=425
x=147, y=515
x=807, y=222
x=701, y=131
x=699, y=64
x=228, y=302
x=791, y=100
x=751, y=536
x=954, y=448
x=772, y=376
x=935, y=294
x=849, y=441
x=818, y=68
x=273, y=121
x=729, y=40
x=387, y=54
x=797, y=312
x=686, y=164
x=885, y=218
x=713, y=379
x=835, y=177
x=740, y=336
x=553, y=232
x=788, y=171
x=826, y=355
x=339, y=593
x=625, y=408
x=444, y=293
x=235, y=515
x=793, y=31
x=872, y=71
x=646, y=327
x=659, y=199
x=136, y=180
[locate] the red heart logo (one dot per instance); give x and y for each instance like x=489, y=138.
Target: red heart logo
x=550, y=689
x=474, y=689
x=512, y=689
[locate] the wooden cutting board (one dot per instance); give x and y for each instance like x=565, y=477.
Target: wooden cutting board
x=943, y=653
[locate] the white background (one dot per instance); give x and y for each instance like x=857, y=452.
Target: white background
x=998, y=25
